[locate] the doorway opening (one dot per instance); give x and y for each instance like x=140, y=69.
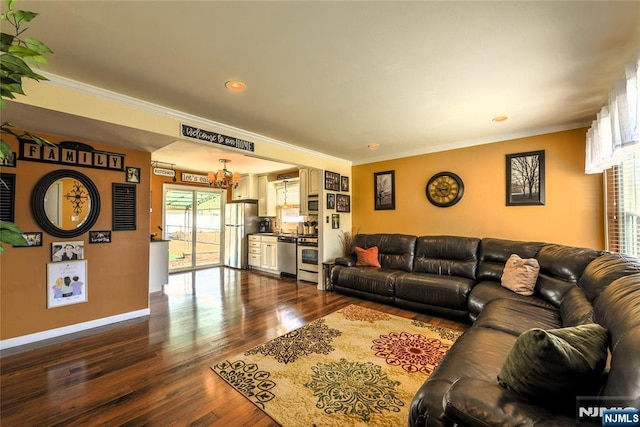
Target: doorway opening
x=193, y=220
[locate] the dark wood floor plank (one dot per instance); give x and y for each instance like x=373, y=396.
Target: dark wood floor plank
x=156, y=371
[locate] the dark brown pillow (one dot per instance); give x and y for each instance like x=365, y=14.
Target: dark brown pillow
x=557, y=364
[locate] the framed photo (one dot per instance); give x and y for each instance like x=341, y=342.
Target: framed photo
x=344, y=183
x=32, y=238
x=8, y=161
x=133, y=174
x=331, y=201
x=384, y=190
x=343, y=203
x=67, y=251
x=525, y=178
x=100, y=236
x=66, y=283
x=331, y=181
x=335, y=221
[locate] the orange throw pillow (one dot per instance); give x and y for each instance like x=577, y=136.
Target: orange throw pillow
x=367, y=257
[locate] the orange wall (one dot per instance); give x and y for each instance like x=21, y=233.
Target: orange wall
x=572, y=215
x=117, y=272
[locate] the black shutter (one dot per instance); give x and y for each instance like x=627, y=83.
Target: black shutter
x=7, y=196
x=124, y=207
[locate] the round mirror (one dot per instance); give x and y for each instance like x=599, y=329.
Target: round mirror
x=65, y=203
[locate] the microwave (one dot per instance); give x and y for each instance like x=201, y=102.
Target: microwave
x=312, y=205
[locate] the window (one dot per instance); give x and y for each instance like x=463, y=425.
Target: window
x=622, y=204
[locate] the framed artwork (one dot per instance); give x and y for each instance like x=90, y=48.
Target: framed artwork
x=100, y=236
x=384, y=192
x=335, y=221
x=66, y=283
x=32, y=238
x=344, y=183
x=331, y=201
x=67, y=251
x=343, y=203
x=133, y=174
x=331, y=181
x=525, y=178
x=8, y=161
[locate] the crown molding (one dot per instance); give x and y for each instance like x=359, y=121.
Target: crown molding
x=471, y=143
x=180, y=116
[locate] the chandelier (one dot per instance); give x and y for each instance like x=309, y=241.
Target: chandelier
x=224, y=178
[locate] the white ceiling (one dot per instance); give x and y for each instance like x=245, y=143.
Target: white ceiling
x=334, y=77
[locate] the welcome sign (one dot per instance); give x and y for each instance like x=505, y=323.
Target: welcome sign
x=216, y=138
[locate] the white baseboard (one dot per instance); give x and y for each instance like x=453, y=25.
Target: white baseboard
x=78, y=327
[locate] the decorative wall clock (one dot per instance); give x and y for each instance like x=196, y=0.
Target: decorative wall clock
x=445, y=189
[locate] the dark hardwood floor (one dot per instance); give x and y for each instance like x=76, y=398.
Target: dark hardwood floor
x=156, y=370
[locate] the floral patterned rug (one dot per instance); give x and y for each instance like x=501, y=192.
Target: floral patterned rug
x=355, y=367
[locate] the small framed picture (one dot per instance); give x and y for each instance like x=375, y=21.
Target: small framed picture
x=331, y=201
x=66, y=283
x=335, y=221
x=343, y=203
x=331, y=181
x=32, y=238
x=525, y=178
x=133, y=174
x=67, y=251
x=8, y=161
x=344, y=183
x=384, y=190
x=100, y=236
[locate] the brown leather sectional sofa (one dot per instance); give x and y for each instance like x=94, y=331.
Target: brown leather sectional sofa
x=459, y=277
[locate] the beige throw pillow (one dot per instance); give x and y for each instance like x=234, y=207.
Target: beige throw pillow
x=520, y=275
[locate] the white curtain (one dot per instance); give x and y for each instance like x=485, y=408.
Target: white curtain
x=616, y=129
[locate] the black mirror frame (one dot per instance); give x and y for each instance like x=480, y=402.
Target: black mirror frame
x=40, y=191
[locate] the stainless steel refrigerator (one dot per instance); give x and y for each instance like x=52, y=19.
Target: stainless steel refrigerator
x=240, y=220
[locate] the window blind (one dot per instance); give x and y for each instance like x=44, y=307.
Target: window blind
x=623, y=206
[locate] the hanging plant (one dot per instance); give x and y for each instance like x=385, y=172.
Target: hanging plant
x=17, y=54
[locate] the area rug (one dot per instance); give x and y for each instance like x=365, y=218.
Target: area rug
x=353, y=367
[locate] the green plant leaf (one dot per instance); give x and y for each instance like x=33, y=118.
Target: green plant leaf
x=13, y=63
x=22, y=51
x=10, y=226
x=10, y=4
x=22, y=16
x=6, y=40
x=37, y=46
x=12, y=87
x=5, y=149
x=12, y=237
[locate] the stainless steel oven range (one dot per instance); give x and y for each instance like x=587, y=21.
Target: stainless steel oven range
x=308, y=259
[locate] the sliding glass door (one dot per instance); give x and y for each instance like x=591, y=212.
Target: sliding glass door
x=193, y=220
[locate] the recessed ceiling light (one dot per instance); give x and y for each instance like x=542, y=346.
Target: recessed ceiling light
x=373, y=146
x=499, y=119
x=235, y=85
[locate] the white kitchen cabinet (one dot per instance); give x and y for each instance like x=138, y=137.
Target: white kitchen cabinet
x=269, y=253
x=304, y=193
x=266, y=197
x=247, y=188
x=314, y=182
x=255, y=251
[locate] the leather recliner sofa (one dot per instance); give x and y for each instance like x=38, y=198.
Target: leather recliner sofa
x=459, y=277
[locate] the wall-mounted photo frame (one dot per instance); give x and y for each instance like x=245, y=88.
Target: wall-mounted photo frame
x=100, y=236
x=331, y=181
x=384, y=191
x=66, y=283
x=33, y=238
x=67, y=251
x=344, y=183
x=343, y=203
x=8, y=161
x=133, y=174
x=525, y=178
x=335, y=221
x=331, y=201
